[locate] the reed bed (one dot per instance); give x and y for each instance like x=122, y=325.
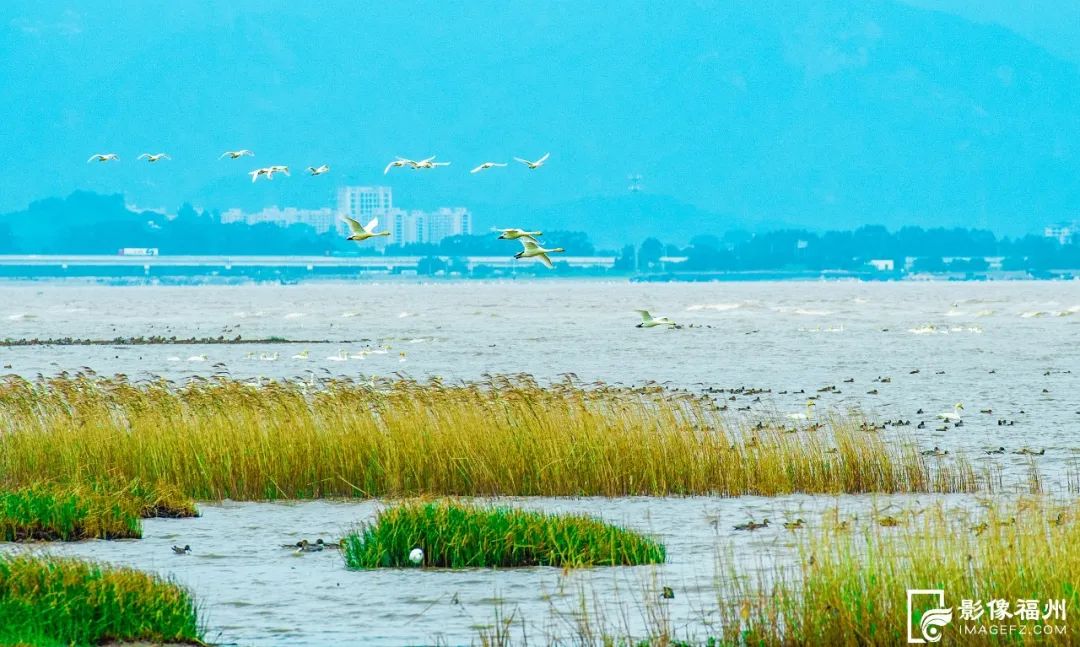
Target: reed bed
x=850, y=587
x=47, y=601
x=220, y=438
x=460, y=535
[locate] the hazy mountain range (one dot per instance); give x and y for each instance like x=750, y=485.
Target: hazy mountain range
x=823, y=115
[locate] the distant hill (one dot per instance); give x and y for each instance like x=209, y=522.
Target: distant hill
x=821, y=114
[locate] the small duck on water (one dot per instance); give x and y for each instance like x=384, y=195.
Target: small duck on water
x=304, y=546
x=1024, y=451
x=936, y=451
x=793, y=525
x=182, y=551
x=752, y=525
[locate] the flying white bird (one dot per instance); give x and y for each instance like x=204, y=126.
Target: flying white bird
x=429, y=163
x=261, y=171
x=363, y=233
x=279, y=169
x=106, y=157
x=485, y=166
x=534, y=165
x=649, y=321
x=532, y=250
x=154, y=158
x=514, y=234
x=237, y=154
x=398, y=163
x=320, y=170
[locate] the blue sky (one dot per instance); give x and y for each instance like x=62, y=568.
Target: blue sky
x=826, y=114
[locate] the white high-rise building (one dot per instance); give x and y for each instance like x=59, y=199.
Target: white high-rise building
x=410, y=227
x=361, y=203
x=448, y=221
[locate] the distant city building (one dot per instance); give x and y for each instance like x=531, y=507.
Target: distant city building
x=362, y=203
x=1062, y=232
x=321, y=220
x=411, y=227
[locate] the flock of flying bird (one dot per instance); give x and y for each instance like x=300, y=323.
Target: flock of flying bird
x=531, y=247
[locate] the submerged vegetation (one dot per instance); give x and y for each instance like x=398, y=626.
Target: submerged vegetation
x=458, y=535
x=53, y=601
x=221, y=438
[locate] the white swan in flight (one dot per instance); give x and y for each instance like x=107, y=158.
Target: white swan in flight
x=534, y=165
x=237, y=154
x=157, y=157
x=649, y=321
x=360, y=233
x=261, y=171
x=278, y=168
x=429, y=163
x=325, y=168
x=514, y=234
x=532, y=250
x=485, y=166
x=398, y=163
x=953, y=415
x=104, y=157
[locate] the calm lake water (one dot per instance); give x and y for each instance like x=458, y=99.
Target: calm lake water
x=1008, y=347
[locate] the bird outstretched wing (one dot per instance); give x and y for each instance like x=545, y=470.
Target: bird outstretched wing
x=354, y=226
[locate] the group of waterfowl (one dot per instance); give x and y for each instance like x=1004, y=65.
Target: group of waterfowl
x=949, y=419
x=302, y=546
x=305, y=546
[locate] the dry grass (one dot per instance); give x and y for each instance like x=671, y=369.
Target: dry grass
x=507, y=436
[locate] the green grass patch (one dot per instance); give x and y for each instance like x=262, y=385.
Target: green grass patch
x=458, y=535
x=52, y=514
x=59, y=512
x=60, y=601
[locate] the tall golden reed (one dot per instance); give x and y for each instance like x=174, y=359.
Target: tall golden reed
x=850, y=587
x=505, y=436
